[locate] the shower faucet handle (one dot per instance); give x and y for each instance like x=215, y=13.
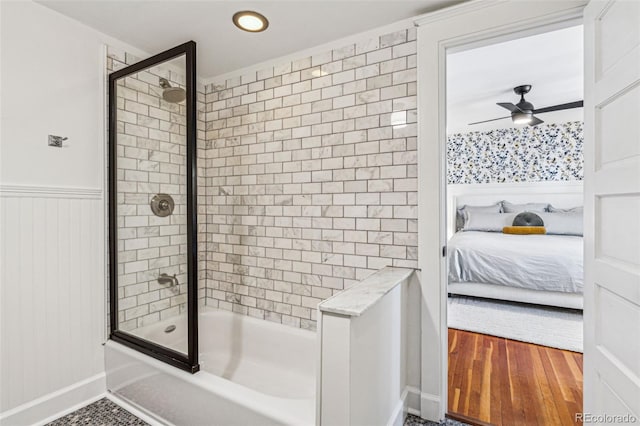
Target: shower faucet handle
x=168, y=279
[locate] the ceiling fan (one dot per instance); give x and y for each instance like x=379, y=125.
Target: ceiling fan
x=522, y=112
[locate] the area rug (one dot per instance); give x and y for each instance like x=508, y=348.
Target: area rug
x=542, y=325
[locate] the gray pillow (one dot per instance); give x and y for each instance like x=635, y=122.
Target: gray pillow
x=578, y=209
x=461, y=213
x=508, y=207
x=528, y=219
x=563, y=223
x=487, y=222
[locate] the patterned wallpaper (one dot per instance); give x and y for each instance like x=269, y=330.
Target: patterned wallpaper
x=548, y=152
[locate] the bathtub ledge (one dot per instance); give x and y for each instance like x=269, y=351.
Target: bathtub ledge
x=355, y=300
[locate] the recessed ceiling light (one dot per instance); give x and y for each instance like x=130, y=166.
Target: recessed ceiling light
x=248, y=20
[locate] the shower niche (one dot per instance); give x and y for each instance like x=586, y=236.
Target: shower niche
x=152, y=206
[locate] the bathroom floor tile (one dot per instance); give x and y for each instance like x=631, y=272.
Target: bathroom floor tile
x=412, y=420
x=105, y=413
x=100, y=413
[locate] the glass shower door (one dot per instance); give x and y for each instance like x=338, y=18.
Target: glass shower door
x=152, y=212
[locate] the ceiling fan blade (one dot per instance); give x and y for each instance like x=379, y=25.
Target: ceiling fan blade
x=535, y=121
x=508, y=105
x=486, y=121
x=570, y=105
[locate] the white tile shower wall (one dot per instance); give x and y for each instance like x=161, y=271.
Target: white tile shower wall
x=151, y=145
x=311, y=177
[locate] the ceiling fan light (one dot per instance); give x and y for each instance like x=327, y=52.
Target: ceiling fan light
x=522, y=117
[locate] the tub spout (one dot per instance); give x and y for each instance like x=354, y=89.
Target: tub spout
x=168, y=279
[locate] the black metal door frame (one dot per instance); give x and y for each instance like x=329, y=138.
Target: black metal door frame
x=177, y=359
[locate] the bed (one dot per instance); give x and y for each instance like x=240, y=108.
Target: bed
x=538, y=269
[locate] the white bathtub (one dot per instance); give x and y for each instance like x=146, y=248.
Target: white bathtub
x=253, y=372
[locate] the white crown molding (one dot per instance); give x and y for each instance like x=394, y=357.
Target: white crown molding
x=50, y=191
x=452, y=11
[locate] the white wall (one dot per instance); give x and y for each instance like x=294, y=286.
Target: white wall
x=50, y=81
x=370, y=362
x=53, y=266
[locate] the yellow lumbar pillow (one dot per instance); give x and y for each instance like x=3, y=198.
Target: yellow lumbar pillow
x=524, y=230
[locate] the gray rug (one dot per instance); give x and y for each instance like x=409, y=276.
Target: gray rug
x=542, y=325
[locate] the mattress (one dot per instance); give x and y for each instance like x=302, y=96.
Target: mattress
x=535, y=262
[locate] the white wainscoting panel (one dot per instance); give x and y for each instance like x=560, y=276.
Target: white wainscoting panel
x=52, y=295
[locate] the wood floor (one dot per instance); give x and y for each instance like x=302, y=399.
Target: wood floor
x=506, y=382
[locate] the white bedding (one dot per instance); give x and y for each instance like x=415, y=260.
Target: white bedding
x=537, y=262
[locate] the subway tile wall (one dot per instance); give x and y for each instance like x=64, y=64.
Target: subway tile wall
x=311, y=178
x=151, y=159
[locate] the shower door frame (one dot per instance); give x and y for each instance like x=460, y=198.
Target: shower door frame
x=172, y=357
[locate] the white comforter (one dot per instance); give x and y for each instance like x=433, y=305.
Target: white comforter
x=538, y=262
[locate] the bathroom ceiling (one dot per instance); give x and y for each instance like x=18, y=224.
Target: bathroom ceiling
x=154, y=26
x=477, y=79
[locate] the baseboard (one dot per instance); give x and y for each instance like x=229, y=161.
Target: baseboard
x=413, y=401
x=56, y=404
x=409, y=403
x=397, y=415
x=467, y=420
x=430, y=407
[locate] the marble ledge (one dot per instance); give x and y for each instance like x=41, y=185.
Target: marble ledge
x=355, y=300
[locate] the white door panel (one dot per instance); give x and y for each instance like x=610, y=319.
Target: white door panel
x=621, y=280
x=612, y=209
x=613, y=313
x=615, y=118
x=618, y=34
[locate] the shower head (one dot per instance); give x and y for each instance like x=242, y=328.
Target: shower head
x=172, y=94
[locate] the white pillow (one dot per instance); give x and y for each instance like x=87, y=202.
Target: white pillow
x=563, y=223
x=487, y=222
x=462, y=212
x=508, y=207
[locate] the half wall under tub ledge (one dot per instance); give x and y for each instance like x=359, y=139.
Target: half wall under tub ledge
x=369, y=363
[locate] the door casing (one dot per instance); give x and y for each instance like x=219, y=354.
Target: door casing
x=467, y=25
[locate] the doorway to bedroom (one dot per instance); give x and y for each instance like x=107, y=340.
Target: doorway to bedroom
x=514, y=168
